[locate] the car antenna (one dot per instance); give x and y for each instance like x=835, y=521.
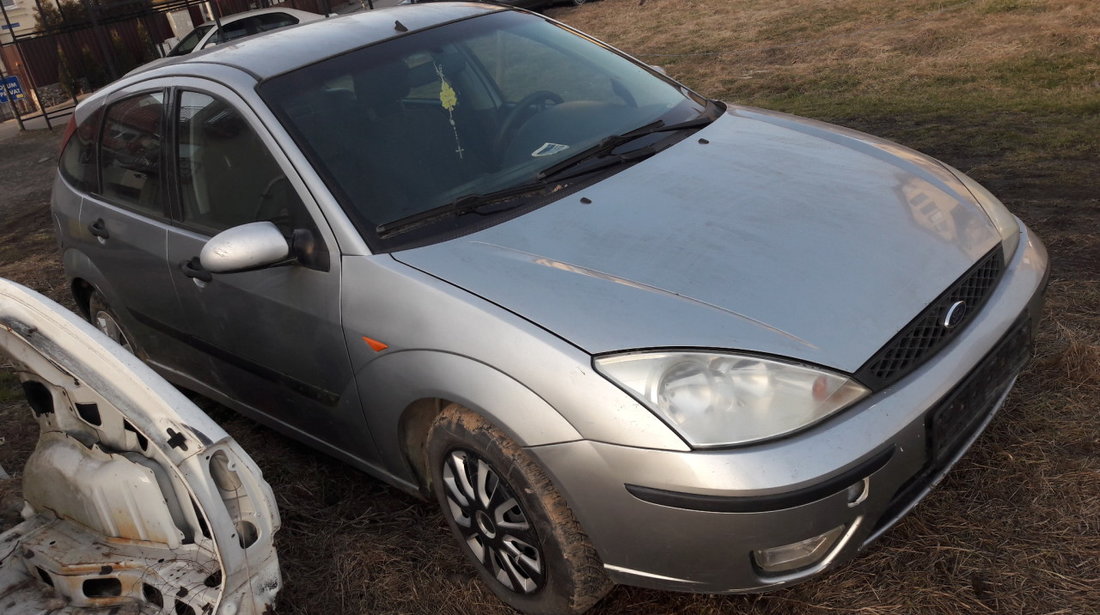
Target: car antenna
x=400, y=27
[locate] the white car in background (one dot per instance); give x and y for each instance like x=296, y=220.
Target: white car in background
x=240, y=25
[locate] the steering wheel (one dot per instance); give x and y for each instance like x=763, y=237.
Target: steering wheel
x=519, y=116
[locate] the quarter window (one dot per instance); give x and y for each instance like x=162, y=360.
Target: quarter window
x=227, y=176
x=130, y=155
x=78, y=164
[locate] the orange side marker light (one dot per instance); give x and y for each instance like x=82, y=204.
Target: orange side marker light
x=376, y=345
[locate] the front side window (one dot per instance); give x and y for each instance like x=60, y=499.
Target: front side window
x=130, y=153
x=227, y=176
x=466, y=109
x=188, y=43
x=231, y=31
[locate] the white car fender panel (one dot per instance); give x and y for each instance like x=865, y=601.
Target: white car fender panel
x=135, y=499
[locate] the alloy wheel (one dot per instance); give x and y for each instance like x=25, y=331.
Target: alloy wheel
x=107, y=324
x=494, y=525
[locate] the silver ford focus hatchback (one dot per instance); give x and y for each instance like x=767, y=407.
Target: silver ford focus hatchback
x=622, y=333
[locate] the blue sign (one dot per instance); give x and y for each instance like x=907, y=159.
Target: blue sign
x=11, y=87
x=11, y=26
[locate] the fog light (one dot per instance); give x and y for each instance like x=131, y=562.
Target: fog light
x=858, y=492
x=797, y=554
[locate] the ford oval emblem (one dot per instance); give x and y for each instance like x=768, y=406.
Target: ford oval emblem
x=955, y=314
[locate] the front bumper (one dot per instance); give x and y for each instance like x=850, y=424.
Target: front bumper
x=691, y=521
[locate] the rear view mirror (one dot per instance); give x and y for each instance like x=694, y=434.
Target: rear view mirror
x=242, y=248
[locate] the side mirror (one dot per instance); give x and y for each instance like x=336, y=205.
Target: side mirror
x=242, y=248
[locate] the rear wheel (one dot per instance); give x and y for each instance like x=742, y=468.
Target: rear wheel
x=104, y=318
x=510, y=521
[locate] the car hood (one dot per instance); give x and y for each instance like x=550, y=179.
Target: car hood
x=763, y=232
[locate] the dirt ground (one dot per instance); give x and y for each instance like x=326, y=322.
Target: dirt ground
x=1014, y=529
x=27, y=166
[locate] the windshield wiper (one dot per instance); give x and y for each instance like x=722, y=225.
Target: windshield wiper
x=468, y=203
x=547, y=178
x=604, y=148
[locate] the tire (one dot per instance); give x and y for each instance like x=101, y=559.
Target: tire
x=104, y=318
x=518, y=531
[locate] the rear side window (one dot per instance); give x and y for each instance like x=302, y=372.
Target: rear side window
x=78, y=165
x=130, y=153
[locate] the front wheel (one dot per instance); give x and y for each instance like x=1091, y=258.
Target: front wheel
x=499, y=504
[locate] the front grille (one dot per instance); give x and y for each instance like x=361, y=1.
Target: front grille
x=926, y=334
x=956, y=417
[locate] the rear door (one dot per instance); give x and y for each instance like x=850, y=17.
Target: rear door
x=273, y=335
x=123, y=224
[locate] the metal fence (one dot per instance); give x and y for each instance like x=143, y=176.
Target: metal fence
x=86, y=44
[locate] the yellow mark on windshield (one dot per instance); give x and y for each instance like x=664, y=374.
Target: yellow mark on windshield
x=449, y=99
x=447, y=96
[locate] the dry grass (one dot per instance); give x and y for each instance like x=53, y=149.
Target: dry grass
x=1008, y=90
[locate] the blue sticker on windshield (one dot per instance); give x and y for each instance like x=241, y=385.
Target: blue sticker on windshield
x=549, y=149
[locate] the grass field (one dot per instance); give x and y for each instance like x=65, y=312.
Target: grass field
x=1005, y=90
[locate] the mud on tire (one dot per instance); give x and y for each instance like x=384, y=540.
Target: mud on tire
x=510, y=521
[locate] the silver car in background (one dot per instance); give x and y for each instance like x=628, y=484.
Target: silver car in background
x=621, y=332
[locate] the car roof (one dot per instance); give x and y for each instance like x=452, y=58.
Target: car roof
x=239, y=16
x=284, y=50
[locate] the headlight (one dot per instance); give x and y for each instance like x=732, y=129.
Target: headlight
x=998, y=214
x=715, y=399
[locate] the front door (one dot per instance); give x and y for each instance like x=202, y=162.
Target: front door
x=273, y=335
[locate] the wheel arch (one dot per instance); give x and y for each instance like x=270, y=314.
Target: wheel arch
x=85, y=278
x=405, y=391
x=82, y=290
x=416, y=422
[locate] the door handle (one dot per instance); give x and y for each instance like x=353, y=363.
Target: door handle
x=99, y=229
x=193, y=269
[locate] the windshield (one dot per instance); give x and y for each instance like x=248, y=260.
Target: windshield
x=470, y=108
x=188, y=43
